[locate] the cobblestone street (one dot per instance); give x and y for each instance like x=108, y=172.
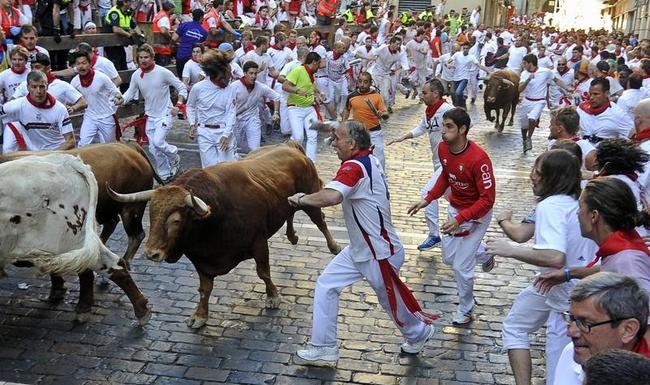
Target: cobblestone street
x=244, y=343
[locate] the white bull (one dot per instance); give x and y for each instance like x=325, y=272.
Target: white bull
x=47, y=220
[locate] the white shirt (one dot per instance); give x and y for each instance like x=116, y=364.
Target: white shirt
x=629, y=100
x=567, y=371
x=385, y=61
x=536, y=88
x=213, y=104
x=611, y=123
x=432, y=127
x=62, y=91
x=545, y=62
x=463, y=65
x=43, y=128
x=99, y=95
x=506, y=36
x=247, y=102
x=9, y=81
x=106, y=67
x=554, y=91
x=263, y=61
x=280, y=57
x=516, y=57
x=192, y=71
x=154, y=88
x=557, y=228
x=418, y=53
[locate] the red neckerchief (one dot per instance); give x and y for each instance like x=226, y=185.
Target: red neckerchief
x=392, y=52
x=49, y=102
x=576, y=138
x=50, y=77
x=336, y=56
x=87, y=80
x=619, y=241
x=249, y=47
x=93, y=60
x=368, y=48
x=316, y=44
x=532, y=72
x=18, y=72
x=249, y=87
x=147, y=69
x=291, y=46
x=586, y=107
x=641, y=136
x=432, y=109
x=277, y=47
x=642, y=348
x=563, y=72
x=593, y=55
x=309, y=72
x=261, y=22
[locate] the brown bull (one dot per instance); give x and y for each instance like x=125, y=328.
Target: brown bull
x=125, y=167
x=224, y=214
x=501, y=93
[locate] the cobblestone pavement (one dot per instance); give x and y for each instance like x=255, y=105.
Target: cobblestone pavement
x=244, y=343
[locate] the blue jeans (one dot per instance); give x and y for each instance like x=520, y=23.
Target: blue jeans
x=458, y=93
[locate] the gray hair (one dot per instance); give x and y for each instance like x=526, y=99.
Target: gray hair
x=617, y=295
x=301, y=53
x=36, y=76
x=358, y=133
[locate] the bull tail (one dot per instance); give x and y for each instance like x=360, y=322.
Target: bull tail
x=91, y=255
x=144, y=155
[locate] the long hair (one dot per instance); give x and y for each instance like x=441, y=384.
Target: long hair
x=560, y=174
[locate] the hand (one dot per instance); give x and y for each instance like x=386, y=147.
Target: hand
x=236, y=35
x=276, y=117
x=70, y=109
x=57, y=36
x=118, y=100
x=417, y=206
x=294, y=200
x=545, y=282
x=450, y=227
x=224, y=142
x=192, y=133
x=500, y=247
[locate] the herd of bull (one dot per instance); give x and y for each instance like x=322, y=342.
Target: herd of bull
x=216, y=217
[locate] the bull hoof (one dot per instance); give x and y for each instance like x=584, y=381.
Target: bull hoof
x=56, y=295
x=273, y=302
x=82, y=318
x=500, y=128
x=196, y=322
x=491, y=118
x=143, y=320
x=511, y=123
x=293, y=238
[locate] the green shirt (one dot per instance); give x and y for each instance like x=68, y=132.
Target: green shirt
x=300, y=78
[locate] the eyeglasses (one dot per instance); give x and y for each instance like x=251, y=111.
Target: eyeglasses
x=561, y=65
x=586, y=326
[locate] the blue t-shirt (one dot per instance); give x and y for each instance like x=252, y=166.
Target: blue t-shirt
x=190, y=32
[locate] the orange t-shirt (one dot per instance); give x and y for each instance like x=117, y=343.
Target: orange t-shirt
x=359, y=109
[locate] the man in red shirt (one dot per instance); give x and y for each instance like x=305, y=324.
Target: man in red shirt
x=467, y=171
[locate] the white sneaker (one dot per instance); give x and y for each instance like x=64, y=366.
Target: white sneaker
x=416, y=347
x=462, y=318
x=319, y=353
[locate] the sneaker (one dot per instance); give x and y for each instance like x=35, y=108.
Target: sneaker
x=429, y=243
x=174, y=166
x=415, y=94
x=408, y=93
x=488, y=265
x=416, y=347
x=319, y=353
x=462, y=318
x=390, y=110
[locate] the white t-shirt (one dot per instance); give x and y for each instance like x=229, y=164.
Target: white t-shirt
x=154, y=88
x=557, y=228
x=536, y=88
x=612, y=123
x=43, y=128
x=62, y=91
x=192, y=71
x=263, y=61
x=432, y=127
x=213, y=105
x=9, y=81
x=516, y=57
x=567, y=371
x=247, y=102
x=463, y=65
x=99, y=96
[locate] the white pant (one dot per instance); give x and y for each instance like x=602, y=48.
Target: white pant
x=97, y=130
x=383, y=83
x=530, y=110
x=431, y=213
x=528, y=314
x=377, y=140
x=337, y=94
x=342, y=272
x=163, y=153
x=461, y=254
x=249, y=132
x=301, y=119
x=209, y=148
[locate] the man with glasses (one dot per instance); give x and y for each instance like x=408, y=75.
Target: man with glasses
x=558, y=97
x=608, y=311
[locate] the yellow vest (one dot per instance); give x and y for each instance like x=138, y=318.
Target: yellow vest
x=125, y=21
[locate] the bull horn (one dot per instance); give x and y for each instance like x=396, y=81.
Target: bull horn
x=201, y=208
x=141, y=196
